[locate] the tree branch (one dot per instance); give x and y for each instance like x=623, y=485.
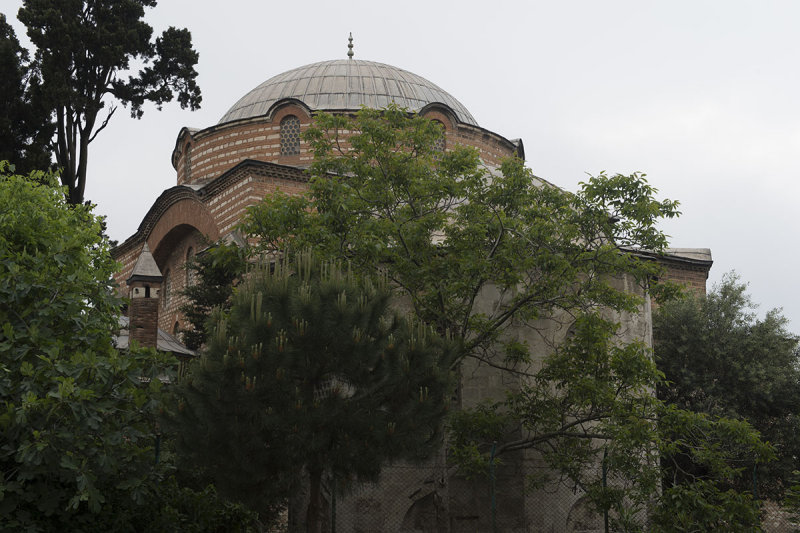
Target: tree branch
x=103, y=125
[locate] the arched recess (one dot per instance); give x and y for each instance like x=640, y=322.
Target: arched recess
x=582, y=518
x=176, y=223
x=442, y=113
x=176, y=239
x=423, y=515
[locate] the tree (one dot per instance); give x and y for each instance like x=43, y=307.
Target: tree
x=76, y=418
x=705, y=498
x=792, y=500
x=214, y=271
x=84, y=51
x=444, y=229
x=25, y=128
x=449, y=233
x=310, y=372
x=719, y=358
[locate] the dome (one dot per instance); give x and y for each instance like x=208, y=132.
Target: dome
x=346, y=84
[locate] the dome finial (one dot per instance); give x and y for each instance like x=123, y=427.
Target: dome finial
x=350, y=46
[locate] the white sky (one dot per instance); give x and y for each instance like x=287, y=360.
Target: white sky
x=703, y=96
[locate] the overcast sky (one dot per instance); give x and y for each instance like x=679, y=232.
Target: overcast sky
x=702, y=96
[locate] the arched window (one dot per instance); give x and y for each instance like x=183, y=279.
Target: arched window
x=290, y=135
x=187, y=265
x=176, y=328
x=167, y=288
x=440, y=145
x=187, y=164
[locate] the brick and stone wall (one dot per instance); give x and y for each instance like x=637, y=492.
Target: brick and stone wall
x=221, y=147
x=694, y=278
x=184, y=219
x=143, y=313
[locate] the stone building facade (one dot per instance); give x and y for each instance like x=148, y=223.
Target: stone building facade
x=256, y=149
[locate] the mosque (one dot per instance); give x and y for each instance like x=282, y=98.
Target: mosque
x=257, y=148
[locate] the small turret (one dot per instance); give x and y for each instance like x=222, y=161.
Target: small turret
x=144, y=286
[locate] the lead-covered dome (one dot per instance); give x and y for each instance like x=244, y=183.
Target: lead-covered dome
x=346, y=84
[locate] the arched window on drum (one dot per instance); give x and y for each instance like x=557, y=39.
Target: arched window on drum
x=290, y=135
x=440, y=145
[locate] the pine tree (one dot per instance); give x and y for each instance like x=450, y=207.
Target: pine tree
x=310, y=373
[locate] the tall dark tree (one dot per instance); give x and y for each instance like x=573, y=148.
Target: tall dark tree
x=214, y=271
x=83, y=54
x=310, y=374
x=720, y=359
x=25, y=127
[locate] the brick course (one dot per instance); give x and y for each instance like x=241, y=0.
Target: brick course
x=182, y=218
x=143, y=313
x=694, y=278
x=233, y=166
x=220, y=148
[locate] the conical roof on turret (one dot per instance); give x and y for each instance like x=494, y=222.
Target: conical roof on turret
x=145, y=268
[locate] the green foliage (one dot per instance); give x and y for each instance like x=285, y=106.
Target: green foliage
x=74, y=415
x=791, y=501
x=590, y=404
x=214, y=271
x=189, y=511
x=704, y=496
x=450, y=235
x=718, y=358
x=703, y=506
x=77, y=421
x=444, y=229
x=82, y=60
x=310, y=371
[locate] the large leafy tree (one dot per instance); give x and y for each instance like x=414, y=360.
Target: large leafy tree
x=74, y=416
x=77, y=421
x=719, y=358
x=450, y=234
x=310, y=373
x=445, y=229
x=84, y=51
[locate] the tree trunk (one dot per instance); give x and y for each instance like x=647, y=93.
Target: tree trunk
x=313, y=518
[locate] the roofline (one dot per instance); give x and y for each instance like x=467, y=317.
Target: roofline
x=281, y=77
x=669, y=258
x=176, y=151
x=178, y=193
x=144, y=279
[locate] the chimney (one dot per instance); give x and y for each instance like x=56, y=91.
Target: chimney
x=144, y=285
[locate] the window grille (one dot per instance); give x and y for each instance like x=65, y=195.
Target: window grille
x=290, y=135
